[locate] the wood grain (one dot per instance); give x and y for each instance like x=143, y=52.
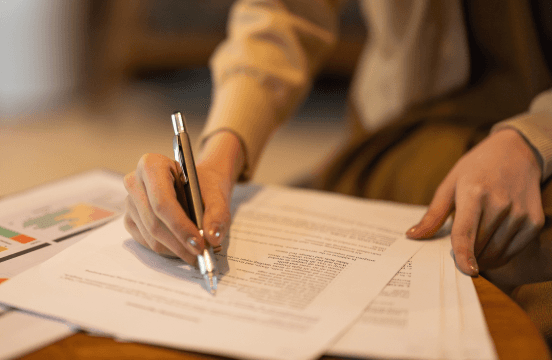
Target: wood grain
x=514, y=335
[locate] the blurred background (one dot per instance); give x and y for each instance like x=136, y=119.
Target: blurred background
x=88, y=84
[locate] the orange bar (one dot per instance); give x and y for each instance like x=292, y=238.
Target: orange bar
x=2, y=280
x=23, y=239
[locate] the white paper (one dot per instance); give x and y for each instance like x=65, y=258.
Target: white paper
x=429, y=310
x=72, y=199
x=299, y=268
x=41, y=222
x=23, y=333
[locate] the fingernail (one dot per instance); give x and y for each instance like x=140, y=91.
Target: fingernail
x=473, y=265
x=193, y=246
x=215, y=234
x=413, y=230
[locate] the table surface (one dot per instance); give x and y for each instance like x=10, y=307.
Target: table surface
x=514, y=335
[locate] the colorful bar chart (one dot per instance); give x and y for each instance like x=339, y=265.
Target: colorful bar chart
x=13, y=235
x=69, y=218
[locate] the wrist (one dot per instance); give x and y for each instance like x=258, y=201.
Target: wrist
x=517, y=140
x=223, y=151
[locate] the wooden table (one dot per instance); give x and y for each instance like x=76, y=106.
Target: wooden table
x=515, y=337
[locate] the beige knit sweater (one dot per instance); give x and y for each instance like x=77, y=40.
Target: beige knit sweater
x=264, y=69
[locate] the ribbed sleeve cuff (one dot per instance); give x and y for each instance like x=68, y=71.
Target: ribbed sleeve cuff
x=240, y=105
x=536, y=128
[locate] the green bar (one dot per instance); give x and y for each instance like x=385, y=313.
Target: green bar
x=7, y=233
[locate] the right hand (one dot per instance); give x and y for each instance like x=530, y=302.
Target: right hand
x=154, y=216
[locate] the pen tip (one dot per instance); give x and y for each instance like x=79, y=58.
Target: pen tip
x=211, y=281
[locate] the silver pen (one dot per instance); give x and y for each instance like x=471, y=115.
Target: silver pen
x=206, y=262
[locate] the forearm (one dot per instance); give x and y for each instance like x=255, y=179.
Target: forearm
x=264, y=68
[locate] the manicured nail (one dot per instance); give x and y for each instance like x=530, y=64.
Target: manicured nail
x=193, y=246
x=413, y=230
x=215, y=234
x=473, y=265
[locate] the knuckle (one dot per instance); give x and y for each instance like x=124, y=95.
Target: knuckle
x=506, y=257
x=128, y=219
x=536, y=221
x=462, y=236
x=519, y=214
x=500, y=200
x=129, y=180
x=150, y=161
x=459, y=242
x=157, y=247
x=477, y=191
x=443, y=190
x=158, y=207
x=154, y=227
x=140, y=240
x=129, y=223
x=224, y=215
x=145, y=160
x=145, y=164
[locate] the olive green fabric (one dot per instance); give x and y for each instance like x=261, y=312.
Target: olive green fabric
x=535, y=300
x=406, y=160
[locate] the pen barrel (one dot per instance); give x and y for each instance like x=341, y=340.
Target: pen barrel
x=207, y=262
x=179, y=124
x=193, y=193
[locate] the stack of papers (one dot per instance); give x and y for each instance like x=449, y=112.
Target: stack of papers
x=39, y=223
x=27, y=332
x=299, y=269
x=429, y=310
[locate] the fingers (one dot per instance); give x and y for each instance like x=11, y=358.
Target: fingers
x=492, y=254
x=134, y=231
x=494, y=190
x=216, y=190
x=465, y=230
x=156, y=219
x=161, y=241
x=532, y=224
x=216, y=218
x=517, y=228
x=161, y=208
x=437, y=213
x=150, y=188
x=495, y=211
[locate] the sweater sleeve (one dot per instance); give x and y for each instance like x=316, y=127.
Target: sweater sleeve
x=536, y=127
x=264, y=68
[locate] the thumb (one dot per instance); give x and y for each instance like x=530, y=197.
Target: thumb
x=440, y=208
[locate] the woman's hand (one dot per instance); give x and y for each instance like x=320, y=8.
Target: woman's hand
x=154, y=216
x=494, y=191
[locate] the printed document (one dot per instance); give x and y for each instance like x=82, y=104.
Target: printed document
x=40, y=222
x=23, y=333
x=298, y=268
x=429, y=310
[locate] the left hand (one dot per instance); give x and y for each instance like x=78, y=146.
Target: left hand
x=494, y=191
